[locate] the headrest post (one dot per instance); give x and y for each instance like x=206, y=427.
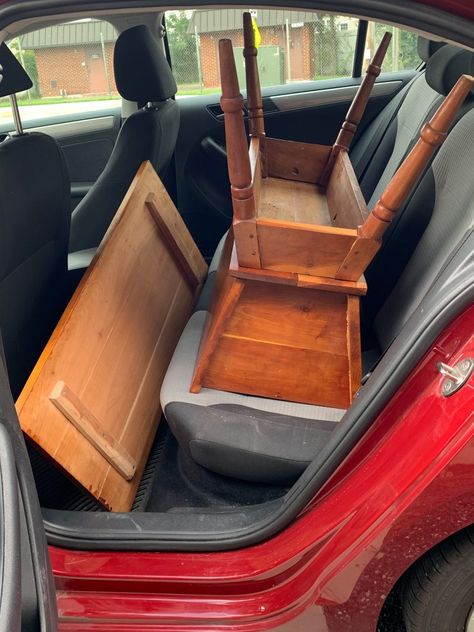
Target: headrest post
x=16, y=114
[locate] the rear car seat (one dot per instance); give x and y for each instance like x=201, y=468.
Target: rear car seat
x=271, y=441
x=382, y=146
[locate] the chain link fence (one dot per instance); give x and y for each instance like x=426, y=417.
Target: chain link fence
x=295, y=46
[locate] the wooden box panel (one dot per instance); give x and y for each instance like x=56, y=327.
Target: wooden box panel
x=289, y=343
x=304, y=249
x=113, y=345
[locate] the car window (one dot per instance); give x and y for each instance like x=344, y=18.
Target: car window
x=402, y=53
x=292, y=46
x=71, y=66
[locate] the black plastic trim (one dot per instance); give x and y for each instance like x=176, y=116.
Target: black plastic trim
x=43, y=576
x=63, y=118
x=409, y=13
x=10, y=558
x=360, y=48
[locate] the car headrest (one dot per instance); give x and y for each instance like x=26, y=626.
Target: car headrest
x=142, y=72
x=427, y=48
x=445, y=67
x=13, y=77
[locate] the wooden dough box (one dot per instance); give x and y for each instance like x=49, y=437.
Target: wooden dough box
x=285, y=315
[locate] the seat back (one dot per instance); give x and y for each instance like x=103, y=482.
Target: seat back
x=143, y=75
x=34, y=230
x=383, y=144
x=403, y=235
x=448, y=190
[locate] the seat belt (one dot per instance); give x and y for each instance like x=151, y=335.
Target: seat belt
x=387, y=116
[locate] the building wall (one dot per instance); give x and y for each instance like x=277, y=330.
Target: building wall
x=271, y=36
x=74, y=70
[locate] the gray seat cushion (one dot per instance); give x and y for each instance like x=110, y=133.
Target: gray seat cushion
x=234, y=434
x=246, y=443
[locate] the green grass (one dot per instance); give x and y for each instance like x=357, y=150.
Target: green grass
x=53, y=100
x=193, y=89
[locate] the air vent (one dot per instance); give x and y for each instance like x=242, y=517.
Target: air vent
x=216, y=111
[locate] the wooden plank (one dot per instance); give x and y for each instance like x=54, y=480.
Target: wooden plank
x=113, y=345
x=178, y=239
x=290, y=316
x=286, y=343
x=353, y=344
x=246, y=242
x=210, y=340
x=82, y=419
x=357, y=259
x=300, y=162
x=311, y=384
x=358, y=288
x=299, y=202
x=347, y=207
x=305, y=249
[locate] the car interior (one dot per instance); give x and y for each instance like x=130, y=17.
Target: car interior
x=237, y=467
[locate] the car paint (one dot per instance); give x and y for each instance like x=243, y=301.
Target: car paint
x=463, y=8
x=405, y=487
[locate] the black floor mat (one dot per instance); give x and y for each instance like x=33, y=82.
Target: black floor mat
x=182, y=483
x=57, y=491
x=171, y=480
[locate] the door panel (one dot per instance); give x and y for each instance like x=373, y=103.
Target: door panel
x=307, y=112
x=24, y=556
x=87, y=144
x=87, y=140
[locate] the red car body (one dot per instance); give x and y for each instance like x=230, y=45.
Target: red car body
x=405, y=487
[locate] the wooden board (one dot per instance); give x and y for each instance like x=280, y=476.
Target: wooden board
x=286, y=343
x=111, y=348
x=295, y=161
x=346, y=203
x=298, y=202
x=304, y=249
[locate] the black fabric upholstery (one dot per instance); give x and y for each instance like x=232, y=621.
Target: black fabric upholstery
x=246, y=443
x=445, y=67
x=142, y=72
x=34, y=229
x=427, y=47
x=13, y=77
x=149, y=134
x=378, y=162
x=400, y=240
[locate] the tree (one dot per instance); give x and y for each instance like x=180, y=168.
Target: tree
x=182, y=48
x=408, y=57
x=28, y=61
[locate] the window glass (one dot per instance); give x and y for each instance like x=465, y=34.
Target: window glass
x=71, y=66
x=294, y=46
x=402, y=53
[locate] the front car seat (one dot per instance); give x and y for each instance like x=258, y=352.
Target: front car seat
x=35, y=214
x=143, y=75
